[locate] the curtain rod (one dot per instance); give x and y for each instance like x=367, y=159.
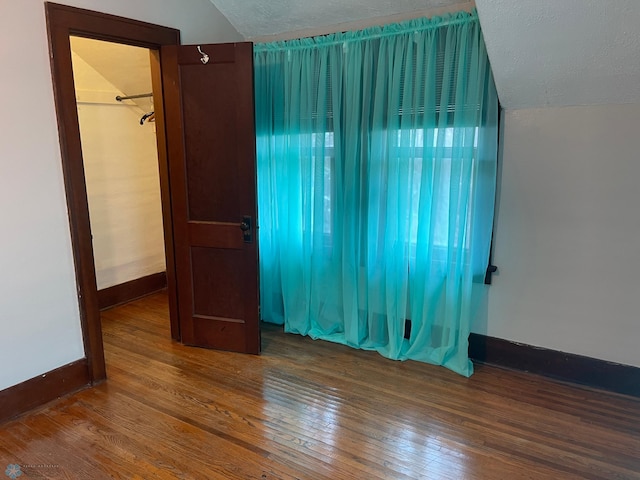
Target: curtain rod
x=142, y=95
x=376, y=31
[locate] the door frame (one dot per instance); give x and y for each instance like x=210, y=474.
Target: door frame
x=62, y=22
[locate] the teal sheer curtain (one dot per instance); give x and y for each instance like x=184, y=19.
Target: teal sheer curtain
x=376, y=155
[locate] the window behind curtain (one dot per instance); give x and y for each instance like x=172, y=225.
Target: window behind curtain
x=376, y=158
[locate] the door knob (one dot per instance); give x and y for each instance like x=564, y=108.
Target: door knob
x=245, y=226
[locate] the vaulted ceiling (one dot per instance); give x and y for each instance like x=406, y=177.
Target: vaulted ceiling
x=257, y=18
x=563, y=52
x=543, y=52
x=125, y=68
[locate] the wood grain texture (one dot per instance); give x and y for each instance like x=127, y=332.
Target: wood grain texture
x=309, y=409
x=131, y=290
x=42, y=389
x=212, y=174
x=567, y=367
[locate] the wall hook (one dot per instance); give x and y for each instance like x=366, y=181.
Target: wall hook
x=151, y=116
x=205, y=57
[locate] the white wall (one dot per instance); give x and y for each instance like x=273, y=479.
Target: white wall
x=567, y=241
x=39, y=317
x=121, y=170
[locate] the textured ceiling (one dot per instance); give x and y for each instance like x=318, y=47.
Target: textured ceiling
x=543, y=52
x=260, y=18
x=563, y=52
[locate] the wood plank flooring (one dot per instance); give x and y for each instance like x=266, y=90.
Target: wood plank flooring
x=308, y=409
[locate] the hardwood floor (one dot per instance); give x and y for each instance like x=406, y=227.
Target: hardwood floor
x=308, y=409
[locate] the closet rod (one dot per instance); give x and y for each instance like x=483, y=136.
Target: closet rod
x=142, y=95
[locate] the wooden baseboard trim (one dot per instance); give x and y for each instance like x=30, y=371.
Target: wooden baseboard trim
x=43, y=389
x=591, y=372
x=131, y=290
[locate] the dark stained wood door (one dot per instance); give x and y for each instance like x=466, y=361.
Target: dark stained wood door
x=209, y=115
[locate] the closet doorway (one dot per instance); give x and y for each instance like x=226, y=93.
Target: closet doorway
x=116, y=116
x=203, y=106
x=63, y=24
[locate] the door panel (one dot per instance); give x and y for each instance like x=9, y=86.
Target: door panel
x=217, y=269
x=211, y=143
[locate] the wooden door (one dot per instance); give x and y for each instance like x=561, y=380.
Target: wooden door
x=209, y=115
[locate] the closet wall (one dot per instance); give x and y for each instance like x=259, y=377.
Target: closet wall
x=120, y=160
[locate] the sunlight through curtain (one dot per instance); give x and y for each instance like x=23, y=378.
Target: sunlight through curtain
x=377, y=156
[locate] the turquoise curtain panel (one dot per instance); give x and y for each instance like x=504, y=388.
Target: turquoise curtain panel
x=376, y=155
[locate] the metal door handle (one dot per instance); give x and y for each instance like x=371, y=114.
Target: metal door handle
x=245, y=226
